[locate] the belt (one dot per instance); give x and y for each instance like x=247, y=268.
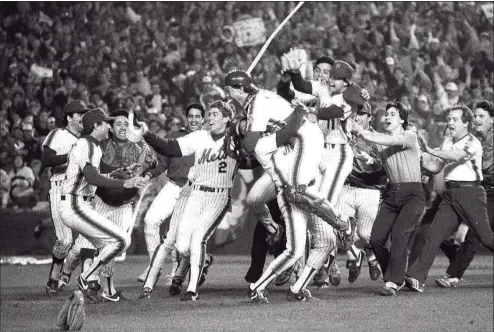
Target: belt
x=210, y=189
x=85, y=198
x=403, y=185
x=462, y=184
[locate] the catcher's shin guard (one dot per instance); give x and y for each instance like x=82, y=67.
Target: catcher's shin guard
x=318, y=206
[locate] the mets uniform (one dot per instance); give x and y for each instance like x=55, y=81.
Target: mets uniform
x=214, y=171
x=60, y=141
x=288, y=165
x=77, y=208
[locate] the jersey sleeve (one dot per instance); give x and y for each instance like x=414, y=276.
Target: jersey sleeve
x=189, y=143
x=51, y=139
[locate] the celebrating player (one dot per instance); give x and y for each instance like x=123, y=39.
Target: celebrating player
x=214, y=169
x=78, y=190
x=164, y=203
x=291, y=169
x=55, y=152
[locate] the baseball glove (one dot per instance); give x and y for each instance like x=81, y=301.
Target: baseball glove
x=72, y=315
x=118, y=196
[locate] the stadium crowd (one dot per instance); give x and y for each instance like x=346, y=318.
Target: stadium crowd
x=156, y=57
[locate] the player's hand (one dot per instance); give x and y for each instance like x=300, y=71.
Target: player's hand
x=423, y=145
x=354, y=127
x=135, y=182
x=144, y=127
x=365, y=94
x=298, y=104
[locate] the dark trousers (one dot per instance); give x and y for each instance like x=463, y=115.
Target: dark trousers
x=464, y=255
x=458, y=204
x=401, y=208
x=259, y=246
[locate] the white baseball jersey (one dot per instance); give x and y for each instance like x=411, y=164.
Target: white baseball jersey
x=212, y=166
x=60, y=140
x=334, y=130
x=85, y=151
x=468, y=169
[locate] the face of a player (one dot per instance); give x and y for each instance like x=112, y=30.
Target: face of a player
x=362, y=119
x=101, y=131
x=482, y=121
x=194, y=119
x=119, y=128
x=392, y=120
x=217, y=122
x=237, y=94
x=336, y=86
x=456, y=126
x=75, y=122
x=321, y=72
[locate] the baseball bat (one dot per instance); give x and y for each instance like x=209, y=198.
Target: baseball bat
x=275, y=32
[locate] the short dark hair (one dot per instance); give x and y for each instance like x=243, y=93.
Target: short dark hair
x=196, y=106
x=403, y=111
x=89, y=130
x=466, y=113
x=487, y=106
x=324, y=59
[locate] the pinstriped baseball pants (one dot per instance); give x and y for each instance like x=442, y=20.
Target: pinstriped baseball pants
x=168, y=243
x=63, y=234
x=361, y=203
x=105, y=235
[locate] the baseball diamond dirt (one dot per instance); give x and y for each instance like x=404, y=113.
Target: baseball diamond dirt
x=223, y=305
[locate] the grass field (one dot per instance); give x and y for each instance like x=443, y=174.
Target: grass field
x=223, y=306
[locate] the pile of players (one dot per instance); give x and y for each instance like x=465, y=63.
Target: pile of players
x=330, y=174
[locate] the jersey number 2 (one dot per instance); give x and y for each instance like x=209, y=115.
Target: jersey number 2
x=222, y=167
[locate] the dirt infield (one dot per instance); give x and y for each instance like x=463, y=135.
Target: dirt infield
x=223, y=306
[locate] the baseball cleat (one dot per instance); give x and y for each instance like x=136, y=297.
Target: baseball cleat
x=284, y=277
x=114, y=297
x=89, y=289
x=334, y=274
x=374, y=270
x=143, y=275
x=390, y=289
x=414, y=285
x=354, y=267
x=176, y=287
x=64, y=281
x=207, y=264
x=348, y=238
x=51, y=287
x=299, y=297
x=190, y=296
x=145, y=293
x=257, y=296
x=447, y=282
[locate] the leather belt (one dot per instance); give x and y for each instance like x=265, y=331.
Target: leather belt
x=210, y=189
x=462, y=184
x=85, y=198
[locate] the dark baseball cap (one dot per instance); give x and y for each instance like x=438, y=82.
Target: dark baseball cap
x=353, y=95
x=95, y=116
x=75, y=106
x=341, y=70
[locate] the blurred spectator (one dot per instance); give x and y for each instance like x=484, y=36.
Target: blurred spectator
x=22, y=180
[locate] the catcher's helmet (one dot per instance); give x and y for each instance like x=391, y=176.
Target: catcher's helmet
x=238, y=78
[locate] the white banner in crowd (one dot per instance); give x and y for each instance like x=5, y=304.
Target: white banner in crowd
x=488, y=10
x=41, y=72
x=249, y=32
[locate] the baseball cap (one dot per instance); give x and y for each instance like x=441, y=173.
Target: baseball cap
x=341, y=70
x=353, y=95
x=451, y=86
x=94, y=116
x=75, y=106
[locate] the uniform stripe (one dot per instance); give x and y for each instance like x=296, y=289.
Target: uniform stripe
x=298, y=158
x=80, y=175
x=78, y=210
x=338, y=172
x=50, y=137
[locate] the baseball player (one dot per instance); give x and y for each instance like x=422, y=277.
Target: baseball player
x=55, y=152
x=82, y=177
x=338, y=155
x=215, y=167
x=164, y=203
x=291, y=170
x=115, y=204
x=361, y=196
